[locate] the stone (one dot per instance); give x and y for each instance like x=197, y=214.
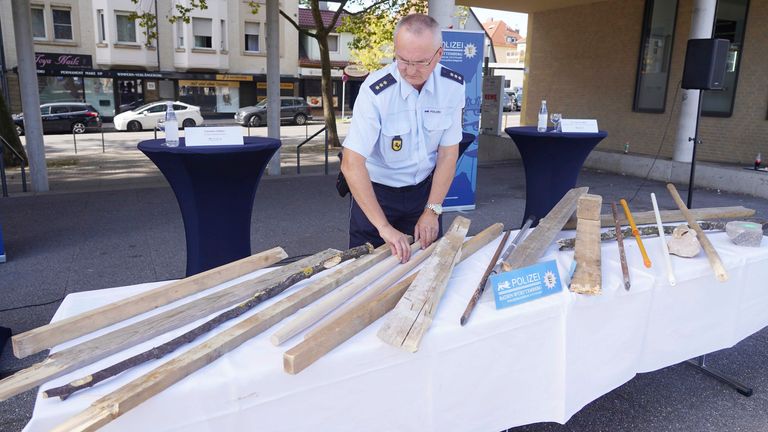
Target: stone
x=684, y=242
x=744, y=233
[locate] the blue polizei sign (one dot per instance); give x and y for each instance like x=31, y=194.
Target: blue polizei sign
x=463, y=53
x=526, y=284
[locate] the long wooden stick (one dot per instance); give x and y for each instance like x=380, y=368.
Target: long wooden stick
x=628, y=214
x=712, y=256
x=534, y=246
x=127, y=397
x=620, y=242
x=100, y=347
x=484, y=237
x=646, y=231
x=304, y=319
x=664, y=248
x=52, y=334
x=481, y=285
x=334, y=333
x=413, y=315
x=667, y=216
x=162, y=350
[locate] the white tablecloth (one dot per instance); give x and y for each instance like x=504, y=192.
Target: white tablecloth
x=539, y=361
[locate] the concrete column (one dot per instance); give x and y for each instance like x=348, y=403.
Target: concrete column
x=273, y=80
x=30, y=96
x=702, y=22
x=442, y=12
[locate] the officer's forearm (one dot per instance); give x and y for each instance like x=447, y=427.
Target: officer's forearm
x=445, y=171
x=360, y=185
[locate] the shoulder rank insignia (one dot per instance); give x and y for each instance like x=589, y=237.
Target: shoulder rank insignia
x=382, y=83
x=455, y=76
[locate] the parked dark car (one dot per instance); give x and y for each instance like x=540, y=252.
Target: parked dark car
x=292, y=109
x=72, y=117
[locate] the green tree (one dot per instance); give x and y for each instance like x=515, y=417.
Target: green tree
x=373, y=31
x=371, y=23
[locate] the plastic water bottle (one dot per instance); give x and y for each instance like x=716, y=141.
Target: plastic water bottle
x=542, y=126
x=171, y=127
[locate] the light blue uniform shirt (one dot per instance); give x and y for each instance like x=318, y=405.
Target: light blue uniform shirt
x=399, y=129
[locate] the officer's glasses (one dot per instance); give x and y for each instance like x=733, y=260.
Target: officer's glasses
x=416, y=64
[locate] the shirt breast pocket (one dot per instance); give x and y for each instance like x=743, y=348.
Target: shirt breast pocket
x=396, y=142
x=434, y=127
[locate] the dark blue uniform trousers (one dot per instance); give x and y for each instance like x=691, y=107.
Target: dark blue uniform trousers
x=402, y=206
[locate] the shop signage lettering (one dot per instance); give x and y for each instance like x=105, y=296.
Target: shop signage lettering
x=231, y=77
x=55, y=60
x=283, y=85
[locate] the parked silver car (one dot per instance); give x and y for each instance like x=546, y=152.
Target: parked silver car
x=292, y=109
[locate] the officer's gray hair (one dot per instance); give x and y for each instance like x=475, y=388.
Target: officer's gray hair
x=418, y=24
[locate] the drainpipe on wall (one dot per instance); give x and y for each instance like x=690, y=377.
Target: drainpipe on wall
x=702, y=25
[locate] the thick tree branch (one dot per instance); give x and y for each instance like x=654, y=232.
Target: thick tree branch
x=296, y=25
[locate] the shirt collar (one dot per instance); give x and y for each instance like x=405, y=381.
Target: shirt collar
x=406, y=88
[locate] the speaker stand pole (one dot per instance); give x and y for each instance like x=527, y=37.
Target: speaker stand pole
x=696, y=141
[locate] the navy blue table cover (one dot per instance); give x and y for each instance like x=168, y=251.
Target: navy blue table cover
x=215, y=187
x=552, y=161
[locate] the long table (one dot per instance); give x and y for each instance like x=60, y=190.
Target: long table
x=539, y=361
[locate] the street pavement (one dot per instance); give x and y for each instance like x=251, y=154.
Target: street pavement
x=98, y=231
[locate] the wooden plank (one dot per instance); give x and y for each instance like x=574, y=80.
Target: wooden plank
x=587, y=279
x=333, y=333
x=69, y=359
x=52, y=334
x=413, y=315
x=141, y=389
x=484, y=280
x=645, y=218
x=620, y=243
x=709, y=249
x=484, y=237
x=534, y=246
x=304, y=319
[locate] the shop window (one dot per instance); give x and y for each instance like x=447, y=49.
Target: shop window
x=126, y=28
x=201, y=29
x=252, y=37
x=38, y=22
x=655, y=56
x=333, y=43
x=62, y=24
x=730, y=22
x=179, y=34
x=101, y=25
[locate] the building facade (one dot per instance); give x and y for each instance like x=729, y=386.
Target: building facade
x=93, y=51
x=621, y=62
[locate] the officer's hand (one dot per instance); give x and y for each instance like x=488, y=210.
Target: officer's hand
x=426, y=229
x=397, y=241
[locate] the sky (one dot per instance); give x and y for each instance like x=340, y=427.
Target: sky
x=513, y=19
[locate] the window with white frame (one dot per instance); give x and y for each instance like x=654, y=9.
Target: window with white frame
x=201, y=30
x=179, y=34
x=38, y=22
x=62, y=24
x=126, y=28
x=251, y=37
x=223, y=42
x=511, y=39
x=333, y=43
x=101, y=26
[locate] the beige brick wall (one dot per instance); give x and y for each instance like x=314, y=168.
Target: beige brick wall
x=583, y=61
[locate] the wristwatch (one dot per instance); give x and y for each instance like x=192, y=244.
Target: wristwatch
x=436, y=208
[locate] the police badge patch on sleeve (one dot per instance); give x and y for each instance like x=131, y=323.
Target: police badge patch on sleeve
x=397, y=143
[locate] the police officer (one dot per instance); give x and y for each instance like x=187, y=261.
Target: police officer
x=401, y=150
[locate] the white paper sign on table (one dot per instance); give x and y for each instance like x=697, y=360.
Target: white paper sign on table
x=579, y=125
x=209, y=136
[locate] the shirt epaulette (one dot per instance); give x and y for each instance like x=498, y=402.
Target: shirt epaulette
x=455, y=76
x=382, y=83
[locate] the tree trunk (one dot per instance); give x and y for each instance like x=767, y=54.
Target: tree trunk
x=8, y=132
x=329, y=111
